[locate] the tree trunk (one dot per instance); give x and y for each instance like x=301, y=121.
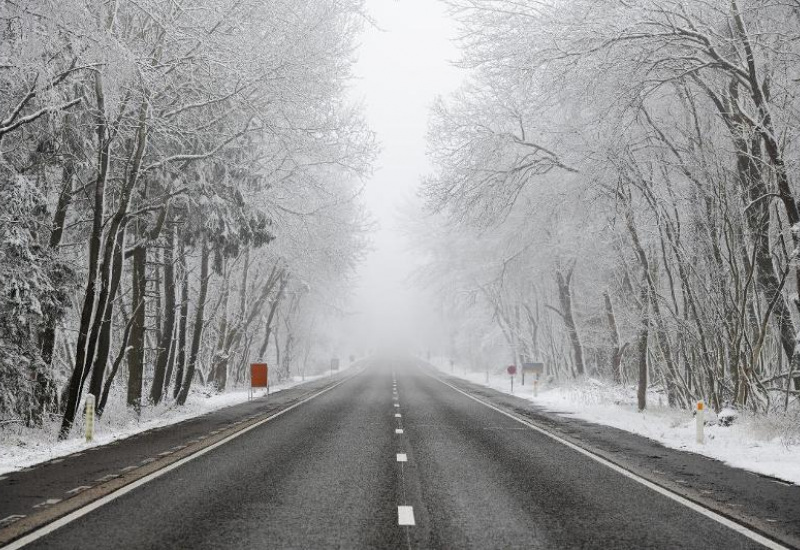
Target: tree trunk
x=641, y=348
x=165, y=343
x=219, y=363
x=565, y=299
x=616, y=350
x=107, y=295
x=272, y=310
x=198, y=325
x=76, y=378
x=649, y=284
x=170, y=359
x=136, y=356
x=183, y=321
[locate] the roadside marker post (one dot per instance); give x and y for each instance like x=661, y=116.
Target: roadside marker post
x=89, y=418
x=699, y=414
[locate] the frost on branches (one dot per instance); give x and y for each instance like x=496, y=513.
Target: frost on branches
x=34, y=288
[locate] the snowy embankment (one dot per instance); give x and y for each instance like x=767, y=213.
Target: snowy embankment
x=22, y=447
x=768, y=445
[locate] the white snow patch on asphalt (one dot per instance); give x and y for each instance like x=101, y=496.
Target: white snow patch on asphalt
x=22, y=447
x=768, y=445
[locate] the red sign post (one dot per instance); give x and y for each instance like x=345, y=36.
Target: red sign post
x=259, y=377
x=512, y=370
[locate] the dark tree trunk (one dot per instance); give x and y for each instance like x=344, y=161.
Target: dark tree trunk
x=104, y=338
x=165, y=343
x=198, y=325
x=170, y=360
x=219, y=363
x=183, y=321
x=641, y=349
x=748, y=165
x=136, y=356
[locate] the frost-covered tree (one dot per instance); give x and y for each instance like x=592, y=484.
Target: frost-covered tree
x=631, y=153
x=154, y=152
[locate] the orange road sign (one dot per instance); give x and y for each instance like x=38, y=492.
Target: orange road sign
x=259, y=375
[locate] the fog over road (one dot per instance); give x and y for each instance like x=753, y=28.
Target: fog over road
x=335, y=471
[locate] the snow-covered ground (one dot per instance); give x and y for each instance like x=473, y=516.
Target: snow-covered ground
x=23, y=447
x=767, y=445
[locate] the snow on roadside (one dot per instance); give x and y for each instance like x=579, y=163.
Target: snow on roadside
x=768, y=445
x=22, y=447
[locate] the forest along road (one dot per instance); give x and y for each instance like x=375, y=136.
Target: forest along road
x=393, y=458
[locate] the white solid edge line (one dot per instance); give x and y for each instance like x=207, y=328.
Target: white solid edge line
x=741, y=529
x=80, y=512
x=405, y=515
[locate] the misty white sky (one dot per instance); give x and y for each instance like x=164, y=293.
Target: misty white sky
x=403, y=65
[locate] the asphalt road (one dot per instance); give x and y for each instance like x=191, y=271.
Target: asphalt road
x=332, y=472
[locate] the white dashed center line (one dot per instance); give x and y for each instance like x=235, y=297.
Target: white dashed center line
x=397, y=404
x=402, y=457
x=399, y=431
x=398, y=415
x=405, y=515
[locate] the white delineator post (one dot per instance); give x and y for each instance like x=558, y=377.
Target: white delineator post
x=536, y=386
x=89, y=418
x=699, y=414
